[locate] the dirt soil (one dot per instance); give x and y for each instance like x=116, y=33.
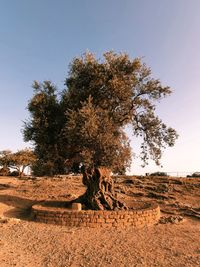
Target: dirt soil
x=174, y=241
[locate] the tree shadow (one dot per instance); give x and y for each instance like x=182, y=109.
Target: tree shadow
x=4, y=186
x=22, y=207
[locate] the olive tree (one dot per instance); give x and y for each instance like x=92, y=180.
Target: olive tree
x=86, y=125
x=102, y=97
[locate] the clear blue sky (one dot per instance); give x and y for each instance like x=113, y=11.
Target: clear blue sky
x=39, y=38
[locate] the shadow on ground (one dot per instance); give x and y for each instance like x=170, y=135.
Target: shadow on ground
x=22, y=206
x=4, y=186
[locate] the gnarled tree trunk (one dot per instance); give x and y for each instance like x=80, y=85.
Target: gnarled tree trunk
x=100, y=190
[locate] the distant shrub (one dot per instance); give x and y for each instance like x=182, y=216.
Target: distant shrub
x=41, y=168
x=5, y=171
x=196, y=174
x=14, y=173
x=158, y=174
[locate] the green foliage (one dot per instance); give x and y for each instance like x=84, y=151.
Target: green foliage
x=43, y=168
x=94, y=140
x=86, y=125
x=125, y=89
x=44, y=126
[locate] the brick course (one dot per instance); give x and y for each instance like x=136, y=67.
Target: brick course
x=90, y=218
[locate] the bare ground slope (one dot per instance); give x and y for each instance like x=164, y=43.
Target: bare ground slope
x=27, y=243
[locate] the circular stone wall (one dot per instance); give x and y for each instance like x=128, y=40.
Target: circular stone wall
x=147, y=215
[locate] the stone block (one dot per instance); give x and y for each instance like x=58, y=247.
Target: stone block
x=76, y=206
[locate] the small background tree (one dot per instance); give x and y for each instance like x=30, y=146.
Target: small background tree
x=5, y=159
x=22, y=159
x=17, y=161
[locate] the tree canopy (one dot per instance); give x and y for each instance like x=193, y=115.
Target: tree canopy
x=22, y=159
x=5, y=158
x=43, y=128
x=86, y=124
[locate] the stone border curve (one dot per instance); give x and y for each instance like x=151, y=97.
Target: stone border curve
x=89, y=218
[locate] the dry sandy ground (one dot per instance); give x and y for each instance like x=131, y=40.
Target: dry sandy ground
x=26, y=243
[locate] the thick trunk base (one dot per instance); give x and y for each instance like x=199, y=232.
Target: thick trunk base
x=100, y=191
